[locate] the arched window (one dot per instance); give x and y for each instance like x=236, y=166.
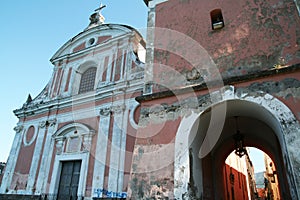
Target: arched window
x=87, y=81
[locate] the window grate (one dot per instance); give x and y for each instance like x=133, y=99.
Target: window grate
x=87, y=81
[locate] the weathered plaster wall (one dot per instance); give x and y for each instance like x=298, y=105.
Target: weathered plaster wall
x=161, y=116
x=153, y=172
x=288, y=90
x=257, y=35
x=153, y=157
x=287, y=131
x=285, y=87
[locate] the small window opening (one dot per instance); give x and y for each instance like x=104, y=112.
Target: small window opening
x=217, y=21
x=91, y=41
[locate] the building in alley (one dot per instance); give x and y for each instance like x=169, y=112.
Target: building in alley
x=219, y=76
x=271, y=179
x=239, y=180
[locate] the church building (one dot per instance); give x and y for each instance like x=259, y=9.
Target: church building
x=71, y=140
x=156, y=118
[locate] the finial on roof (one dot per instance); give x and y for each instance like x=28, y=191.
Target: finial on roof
x=29, y=99
x=97, y=18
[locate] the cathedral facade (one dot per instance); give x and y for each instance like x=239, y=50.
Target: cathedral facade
x=218, y=77
x=73, y=136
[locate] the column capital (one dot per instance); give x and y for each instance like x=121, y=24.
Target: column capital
x=42, y=124
x=18, y=128
x=118, y=109
x=52, y=122
x=105, y=111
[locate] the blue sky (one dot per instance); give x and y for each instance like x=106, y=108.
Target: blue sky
x=31, y=33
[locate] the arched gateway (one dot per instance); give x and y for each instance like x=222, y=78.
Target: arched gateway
x=264, y=121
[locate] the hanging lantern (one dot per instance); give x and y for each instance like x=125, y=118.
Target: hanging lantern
x=240, y=149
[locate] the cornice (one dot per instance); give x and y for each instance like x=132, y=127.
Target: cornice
x=231, y=80
x=78, y=100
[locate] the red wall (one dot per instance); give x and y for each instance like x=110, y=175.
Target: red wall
x=255, y=37
x=24, y=160
x=235, y=188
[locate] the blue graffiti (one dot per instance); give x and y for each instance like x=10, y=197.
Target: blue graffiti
x=99, y=192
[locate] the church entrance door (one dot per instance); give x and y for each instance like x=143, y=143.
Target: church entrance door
x=69, y=179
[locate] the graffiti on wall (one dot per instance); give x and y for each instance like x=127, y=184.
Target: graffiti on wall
x=103, y=192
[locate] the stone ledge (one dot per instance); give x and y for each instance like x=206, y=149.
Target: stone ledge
x=232, y=80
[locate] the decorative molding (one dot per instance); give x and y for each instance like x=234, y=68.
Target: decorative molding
x=118, y=109
x=52, y=122
x=42, y=124
x=18, y=128
x=37, y=101
x=32, y=139
x=74, y=136
x=59, y=145
x=132, y=121
x=87, y=141
x=105, y=111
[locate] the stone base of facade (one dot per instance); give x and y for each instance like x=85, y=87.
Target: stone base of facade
x=20, y=197
x=42, y=197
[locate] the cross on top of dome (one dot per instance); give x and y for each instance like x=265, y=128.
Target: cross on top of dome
x=97, y=18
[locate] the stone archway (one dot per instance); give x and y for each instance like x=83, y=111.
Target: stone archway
x=260, y=108
x=256, y=134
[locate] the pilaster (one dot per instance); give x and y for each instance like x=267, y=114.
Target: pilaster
x=12, y=159
x=101, y=148
x=36, y=157
x=46, y=157
x=116, y=172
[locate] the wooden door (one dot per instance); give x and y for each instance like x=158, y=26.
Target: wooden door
x=69, y=179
